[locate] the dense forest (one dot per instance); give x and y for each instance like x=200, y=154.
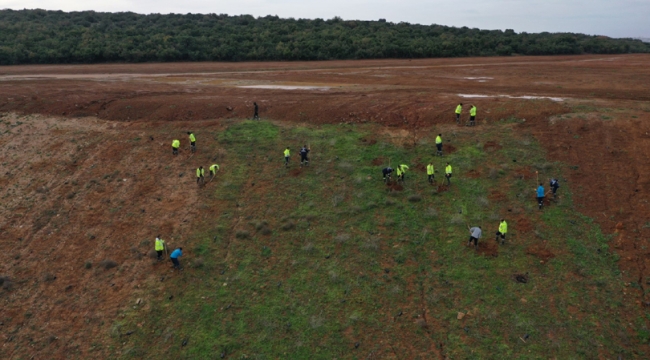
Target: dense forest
x=44, y=37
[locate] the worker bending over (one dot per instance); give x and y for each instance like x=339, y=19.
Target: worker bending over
x=401, y=171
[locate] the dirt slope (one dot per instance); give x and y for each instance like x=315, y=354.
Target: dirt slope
x=77, y=192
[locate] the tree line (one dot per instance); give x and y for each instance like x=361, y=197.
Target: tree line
x=55, y=37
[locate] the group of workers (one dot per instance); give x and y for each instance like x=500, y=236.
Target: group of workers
x=472, y=114
x=402, y=168
x=200, y=173
x=304, y=159
x=475, y=232
x=161, y=247
x=177, y=143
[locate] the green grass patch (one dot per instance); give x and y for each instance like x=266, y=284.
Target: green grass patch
x=307, y=262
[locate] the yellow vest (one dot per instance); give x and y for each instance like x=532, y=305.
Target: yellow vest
x=448, y=169
x=160, y=244
x=200, y=172
x=503, y=227
x=192, y=138
x=459, y=109
x=438, y=140
x=429, y=169
x=286, y=153
x=214, y=168
x=472, y=111
x=176, y=144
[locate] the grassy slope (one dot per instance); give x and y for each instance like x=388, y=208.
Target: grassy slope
x=354, y=257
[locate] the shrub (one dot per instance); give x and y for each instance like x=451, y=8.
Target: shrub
x=198, y=263
x=289, y=225
x=259, y=225
x=415, y=198
x=242, y=234
x=265, y=230
x=88, y=265
x=107, y=264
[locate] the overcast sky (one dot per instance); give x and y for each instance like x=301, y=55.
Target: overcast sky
x=616, y=18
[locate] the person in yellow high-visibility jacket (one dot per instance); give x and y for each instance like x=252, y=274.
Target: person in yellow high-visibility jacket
x=439, y=144
x=472, y=115
x=213, y=170
x=459, y=110
x=160, y=247
x=287, y=155
x=430, y=172
x=175, y=145
x=401, y=170
x=503, y=230
x=448, y=173
x=200, y=173
x=192, y=141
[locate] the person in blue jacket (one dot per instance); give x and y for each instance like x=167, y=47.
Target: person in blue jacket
x=174, y=257
x=540, y=195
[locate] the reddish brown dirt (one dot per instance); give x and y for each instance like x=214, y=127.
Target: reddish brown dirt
x=525, y=174
x=608, y=154
x=379, y=161
x=90, y=191
x=408, y=94
x=496, y=196
x=523, y=225
x=448, y=149
x=394, y=186
x=491, y=146
x=541, y=252
x=472, y=174
x=50, y=226
x=488, y=248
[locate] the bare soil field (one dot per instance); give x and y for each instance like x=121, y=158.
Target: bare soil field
x=61, y=125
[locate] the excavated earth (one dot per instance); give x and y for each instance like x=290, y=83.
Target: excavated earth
x=85, y=157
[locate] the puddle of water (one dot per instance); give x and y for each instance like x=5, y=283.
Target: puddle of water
x=479, y=78
x=285, y=87
x=527, y=97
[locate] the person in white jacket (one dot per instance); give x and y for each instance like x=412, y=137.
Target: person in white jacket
x=475, y=234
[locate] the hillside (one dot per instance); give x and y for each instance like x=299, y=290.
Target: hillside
x=325, y=261
x=54, y=37
x=322, y=261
